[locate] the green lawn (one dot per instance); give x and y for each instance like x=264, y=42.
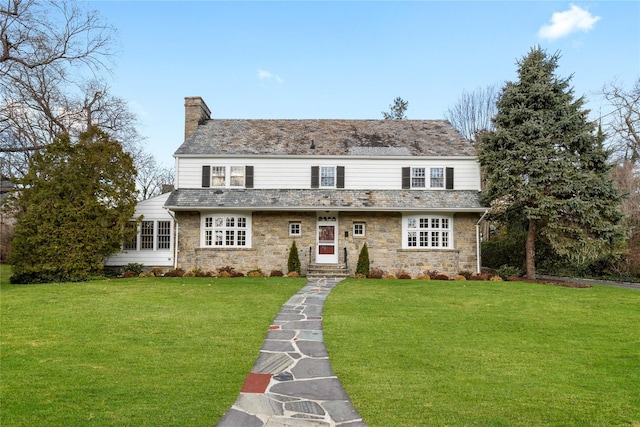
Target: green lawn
x=175, y=351
x=134, y=352
x=431, y=353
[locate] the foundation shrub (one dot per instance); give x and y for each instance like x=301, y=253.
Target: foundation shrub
x=293, y=274
x=133, y=266
x=441, y=277
x=276, y=273
x=431, y=273
x=255, y=273
x=423, y=276
x=293, y=263
x=178, y=272
x=364, y=265
x=507, y=270
x=460, y=277
x=232, y=272
x=376, y=273
x=466, y=273
x=128, y=274
x=403, y=275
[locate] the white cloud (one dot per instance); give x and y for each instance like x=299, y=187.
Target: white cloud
x=567, y=22
x=266, y=75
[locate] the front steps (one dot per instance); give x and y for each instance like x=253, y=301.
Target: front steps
x=315, y=271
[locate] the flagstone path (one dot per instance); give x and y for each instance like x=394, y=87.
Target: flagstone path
x=291, y=383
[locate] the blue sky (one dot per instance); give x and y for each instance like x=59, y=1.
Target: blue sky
x=349, y=60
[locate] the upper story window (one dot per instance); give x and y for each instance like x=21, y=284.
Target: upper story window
x=327, y=176
x=227, y=176
x=427, y=231
x=427, y=178
x=436, y=177
x=226, y=230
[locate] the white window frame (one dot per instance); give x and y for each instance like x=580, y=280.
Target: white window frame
x=418, y=177
x=227, y=176
x=152, y=241
x=225, y=230
x=359, y=229
x=437, y=175
x=425, y=177
x=323, y=177
x=427, y=231
x=295, y=228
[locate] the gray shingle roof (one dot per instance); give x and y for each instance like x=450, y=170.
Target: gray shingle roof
x=326, y=137
x=311, y=199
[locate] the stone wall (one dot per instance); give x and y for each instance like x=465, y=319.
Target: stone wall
x=271, y=244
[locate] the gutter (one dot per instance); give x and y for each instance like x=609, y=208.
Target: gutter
x=175, y=240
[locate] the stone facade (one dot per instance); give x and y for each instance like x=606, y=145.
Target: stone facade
x=271, y=244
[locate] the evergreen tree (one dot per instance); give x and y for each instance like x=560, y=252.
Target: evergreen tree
x=546, y=165
x=396, y=110
x=293, y=264
x=363, y=267
x=73, y=205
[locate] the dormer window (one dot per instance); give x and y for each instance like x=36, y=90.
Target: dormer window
x=327, y=176
x=227, y=176
x=427, y=178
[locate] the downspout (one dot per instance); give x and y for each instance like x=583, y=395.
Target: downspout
x=175, y=240
x=478, y=254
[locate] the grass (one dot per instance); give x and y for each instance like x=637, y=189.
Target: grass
x=175, y=351
x=416, y=353
x=135, y=352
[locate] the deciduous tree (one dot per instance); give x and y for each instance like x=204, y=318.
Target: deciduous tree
x=472, y=114
x=54, y=59
x=75, y=203
x=545, y=163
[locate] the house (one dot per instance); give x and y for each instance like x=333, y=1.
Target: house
x=154, y=245
x=245, y=190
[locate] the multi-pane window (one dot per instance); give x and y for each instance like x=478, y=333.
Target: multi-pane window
x=327, y=176
x=237, y=176
x=437, y=178
x=146, y=235
x=358, y=229
x=428, y=232
x=152, y=235
x=218, y=176
x=295, y=228
x=164, y=234
x=132, y=242
x=225, y=231
x=418, y=178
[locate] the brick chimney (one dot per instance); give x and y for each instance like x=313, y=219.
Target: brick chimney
x=195, y=113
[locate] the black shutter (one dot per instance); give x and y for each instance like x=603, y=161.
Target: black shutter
x=448, y=182
x=206, y=176
x=315, y=176
x=340, y=181
x=406, y=178
x=248, y=176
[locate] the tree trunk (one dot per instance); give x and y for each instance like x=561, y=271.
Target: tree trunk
x=531, y=249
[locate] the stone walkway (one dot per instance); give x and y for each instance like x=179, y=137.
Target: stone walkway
x=292, y=383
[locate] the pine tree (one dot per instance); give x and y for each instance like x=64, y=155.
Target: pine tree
x=363, y=267
x=546, y=165
x=293, y=264
x=73, y=205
